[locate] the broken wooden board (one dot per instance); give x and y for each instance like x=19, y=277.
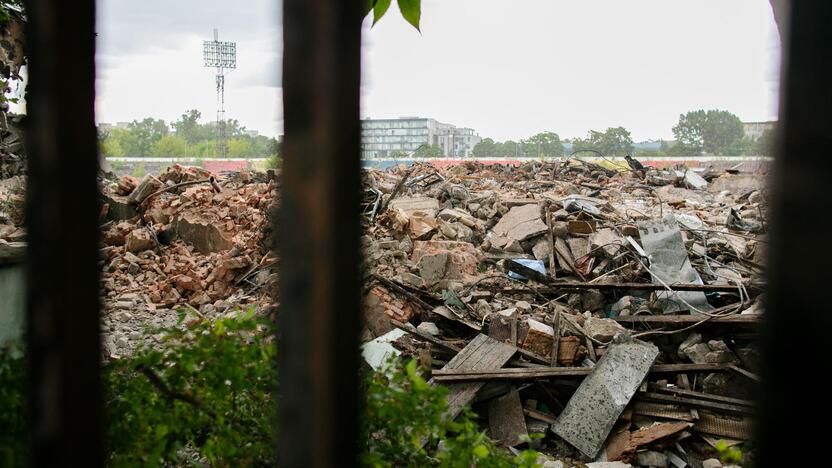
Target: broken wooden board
x=506, y=420
x=622, y=446
x=592, y=411
x=482, y=353
x=532, y=373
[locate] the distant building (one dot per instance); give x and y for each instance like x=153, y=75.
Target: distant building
x=252, y=133
x=754, y=130
x=382, y=138
x=104, y=127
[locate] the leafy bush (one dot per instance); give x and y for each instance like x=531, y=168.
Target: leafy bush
x=405, y=424
x=206, y=397
x=207, y=391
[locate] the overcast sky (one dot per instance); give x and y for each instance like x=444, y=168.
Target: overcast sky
x=507, y=69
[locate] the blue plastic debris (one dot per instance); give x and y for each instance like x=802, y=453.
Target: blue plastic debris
x=536, y=265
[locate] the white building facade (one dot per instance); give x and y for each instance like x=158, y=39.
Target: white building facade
x=383, y=138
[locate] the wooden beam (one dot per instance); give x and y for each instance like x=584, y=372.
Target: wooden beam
x=447, y=375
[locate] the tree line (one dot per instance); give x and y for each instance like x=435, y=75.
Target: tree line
x=187, y=136
x=700, y=132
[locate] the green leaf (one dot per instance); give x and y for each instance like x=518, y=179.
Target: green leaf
x=411, y=11
x=379, y=9
x=366, y=7
x=480, y=451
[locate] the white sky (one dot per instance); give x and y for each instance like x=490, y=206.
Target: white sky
x=507, y=69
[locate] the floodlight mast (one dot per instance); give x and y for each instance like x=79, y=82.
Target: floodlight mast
x=222, y=56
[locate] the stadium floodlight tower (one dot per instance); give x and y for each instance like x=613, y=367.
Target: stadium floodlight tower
x=223, y=57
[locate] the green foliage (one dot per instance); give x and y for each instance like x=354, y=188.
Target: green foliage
x=764, y=146
x=545, y=144
x=205, y=397
x=12, y=415
x=153, y=137
x=170, y=145
x=713, y=132
x=144, y=134
x=614, y=141
x=411, y=10
x=138, y=170
x=239, y=148
x=405, y=419
x=727, y=454
x=208, y=389
x=509, y=149
x=486, y=148
x=428, y=151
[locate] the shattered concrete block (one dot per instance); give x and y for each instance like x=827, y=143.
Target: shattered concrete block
x=652, y=458
x=694, y=180
x=539, y=339
x=607, y=240
x=120, y=207
x=432, y=267
x=595, y=407
x=520, y=223
x=697, y=353
x=592, y=300
x=463, y=260
x=147, y=186
x=410, y=205
x=613, y=464
x=692, y=339
x=428, y=328
x=541, y=250
x=204, y=235
x=139, y=240
x=711, y=463
x=602, y=329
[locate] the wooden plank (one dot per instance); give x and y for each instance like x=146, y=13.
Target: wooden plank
x=687, y=319
x=701, y=396
x=465, y=375
x=506, y=420
x=696, y=403
x=482, y=353
x=540, y=416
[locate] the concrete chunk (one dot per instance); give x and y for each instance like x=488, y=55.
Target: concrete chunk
x=520, y=223
x=592, y=411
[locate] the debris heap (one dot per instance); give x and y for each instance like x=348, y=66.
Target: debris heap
x=182, y=239
x=611, y=309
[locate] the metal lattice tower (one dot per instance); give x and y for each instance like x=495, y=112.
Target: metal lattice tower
x=223, y=57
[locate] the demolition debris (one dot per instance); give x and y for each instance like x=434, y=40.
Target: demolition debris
x=610, y=313
x=613, y=311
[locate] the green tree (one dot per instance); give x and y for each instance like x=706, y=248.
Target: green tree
x=711, y=132
x=614, y=141
x=170, y=145
x=764, y=146
x=486, y=148
x=428, y=151
x=542, y=144
x=115, y=142
x=189, y=128
x=509, y=149
x=145, y=134
x=239, y=148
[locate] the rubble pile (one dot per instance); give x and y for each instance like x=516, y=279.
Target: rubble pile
x=182, y=239
x=611, y=309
